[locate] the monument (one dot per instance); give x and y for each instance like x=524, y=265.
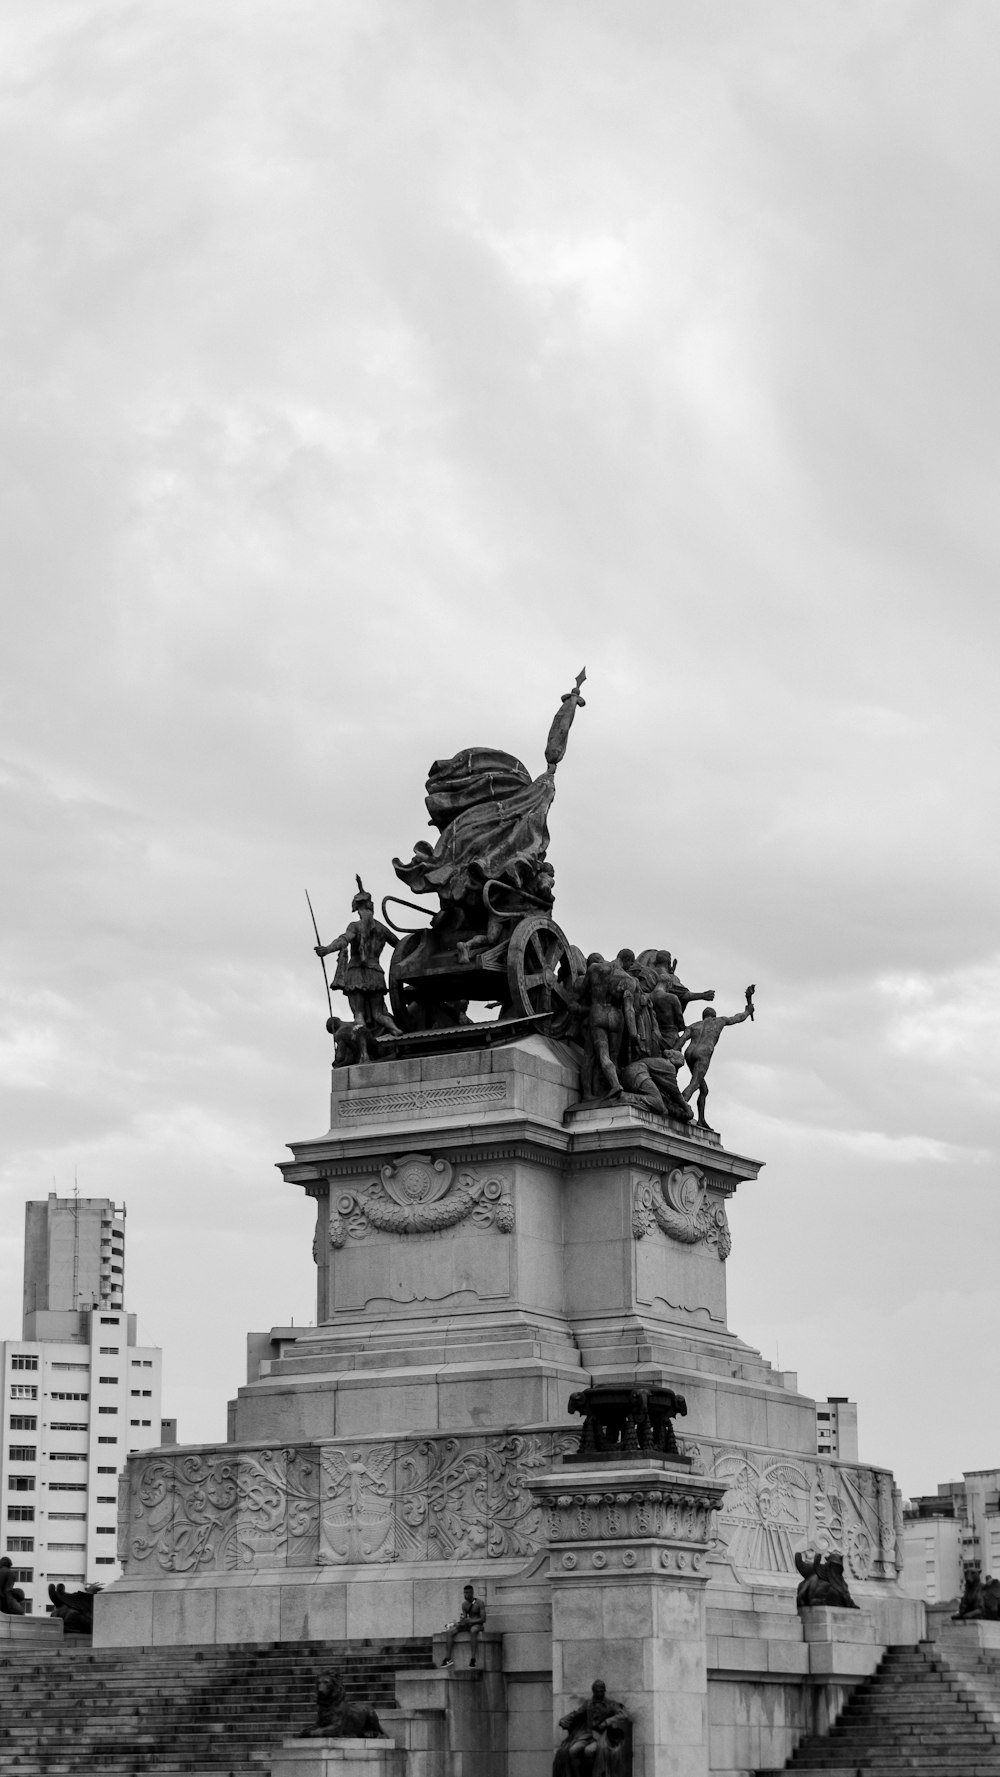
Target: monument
x=521, y=1220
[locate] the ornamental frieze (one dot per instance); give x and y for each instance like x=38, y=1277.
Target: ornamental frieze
x=672, y=1513
x=478, y=1497
x=420, y=1195
x=679, y=1205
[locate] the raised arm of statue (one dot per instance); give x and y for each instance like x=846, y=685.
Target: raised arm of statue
x=328, y=949
x=555, y=746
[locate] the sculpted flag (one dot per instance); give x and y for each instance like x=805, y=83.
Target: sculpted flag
x=491, y=817
x=492, y=821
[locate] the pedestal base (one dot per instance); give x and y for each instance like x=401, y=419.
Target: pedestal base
x=336, y=1758
x=28, y=1629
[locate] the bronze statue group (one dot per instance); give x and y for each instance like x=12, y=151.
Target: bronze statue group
x=489, y=871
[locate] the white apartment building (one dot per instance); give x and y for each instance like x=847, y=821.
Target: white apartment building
x=947, y=1532
x=837, y=1428
x=78, y=1395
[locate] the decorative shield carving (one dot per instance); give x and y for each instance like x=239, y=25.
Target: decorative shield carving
x=416, y=1178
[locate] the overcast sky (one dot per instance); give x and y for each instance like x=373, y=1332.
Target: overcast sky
x=370, y=368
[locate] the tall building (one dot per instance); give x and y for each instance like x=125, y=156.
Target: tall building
x=946, y=1532
x=837, y=1428
x=79, y=1394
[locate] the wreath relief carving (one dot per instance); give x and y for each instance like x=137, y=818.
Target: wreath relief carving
x=420, y=1195
x=679, y=1205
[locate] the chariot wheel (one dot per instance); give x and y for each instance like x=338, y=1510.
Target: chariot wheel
x=542, y=968
x=397, y=973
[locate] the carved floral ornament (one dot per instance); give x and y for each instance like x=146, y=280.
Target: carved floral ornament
x=420, y=1195
x=679, y=1205
x=674, y=1514
x=491, y=1496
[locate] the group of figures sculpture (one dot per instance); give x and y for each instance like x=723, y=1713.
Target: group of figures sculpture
x=493, y=940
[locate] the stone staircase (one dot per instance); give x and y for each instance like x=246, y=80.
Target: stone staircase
x=916, y=1713
x=79, y=1712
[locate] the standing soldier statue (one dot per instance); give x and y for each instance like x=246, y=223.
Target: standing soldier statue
x=359, y=972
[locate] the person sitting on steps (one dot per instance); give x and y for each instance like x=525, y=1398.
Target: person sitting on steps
x=471, y=1620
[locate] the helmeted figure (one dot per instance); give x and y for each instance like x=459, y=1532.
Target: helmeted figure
x=359, y=971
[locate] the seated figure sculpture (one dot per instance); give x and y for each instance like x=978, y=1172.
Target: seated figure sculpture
x=471, y=1621
x=337, y=1718
x=11, y=1596
x=823, y=1581
x=596, y=1738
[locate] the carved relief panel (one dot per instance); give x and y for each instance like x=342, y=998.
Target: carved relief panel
x=679, y=1204
x=468, y=1497
x=420, y=1195
x=420, y=1231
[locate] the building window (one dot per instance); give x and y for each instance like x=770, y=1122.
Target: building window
x=23, y=1361
x=69, y=1366
x=111, y=1380
x=107, y=1440
x=68, y=1517
x=110, y=1320
x=147, y=1394
x=80, y=1546
x=59, y=1395
x=116, y=1272
x=68, y=1425
x=110, y=1350
x=107, y=1409
x=105, y=1560
x=105, y=1530
x=25, y=1514
x=20, y=1545
x=147, y=1363
x=22, y=1483
x=25, y=1575
x=67, y=1486
x=23, y=1391
x=21, y=1453
x=23, y=1422
x=146, y=1422
x=105, y=1471
x=106, y=1499
x=67, y=1455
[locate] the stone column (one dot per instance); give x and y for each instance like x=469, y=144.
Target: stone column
x=628, y=1562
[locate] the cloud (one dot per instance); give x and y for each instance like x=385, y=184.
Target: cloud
x=368, y=370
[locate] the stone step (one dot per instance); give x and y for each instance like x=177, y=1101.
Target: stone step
x=200, y=1711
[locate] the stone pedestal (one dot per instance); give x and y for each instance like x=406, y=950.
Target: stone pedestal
x=469, y=1704
x=335, y=1758
x=25, y=1630
x=484, y=1248
x=841, y=1643
x=628, y=1565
